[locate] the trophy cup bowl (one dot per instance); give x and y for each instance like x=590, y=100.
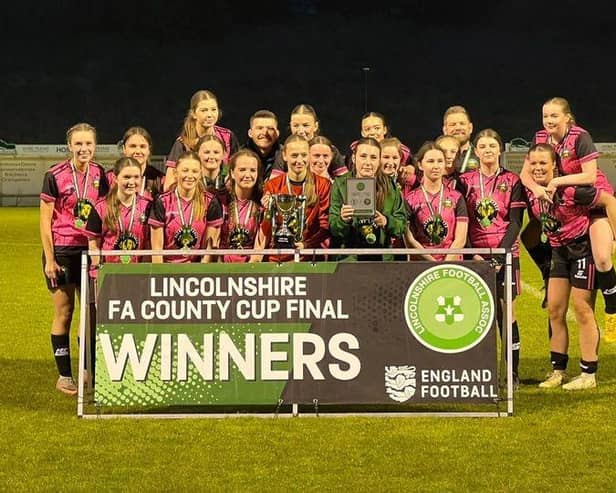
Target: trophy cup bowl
x=285, y=204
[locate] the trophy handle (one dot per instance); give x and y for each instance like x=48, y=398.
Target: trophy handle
x=301, y=217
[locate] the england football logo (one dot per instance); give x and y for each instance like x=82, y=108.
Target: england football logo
x=400, y=382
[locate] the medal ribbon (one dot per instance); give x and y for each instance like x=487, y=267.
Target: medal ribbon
x=179, y=204
x=483, y=196
x=236, y=214
x=429, y=202
x=130, y=221
x=85, y=182
x=466, y=158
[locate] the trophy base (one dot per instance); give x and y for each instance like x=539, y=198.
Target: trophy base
x=284, y=242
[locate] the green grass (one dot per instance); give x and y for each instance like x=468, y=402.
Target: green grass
x=555, y=440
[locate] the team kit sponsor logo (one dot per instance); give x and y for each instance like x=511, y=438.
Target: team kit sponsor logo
x=255, y=334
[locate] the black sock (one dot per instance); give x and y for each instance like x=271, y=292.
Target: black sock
x=606, y=282
x=589, y=366
x=559, y=360
x=62, y=354
x=515, y=342
x=515, y=347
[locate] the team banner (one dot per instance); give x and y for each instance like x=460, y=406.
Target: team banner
x=261, y=334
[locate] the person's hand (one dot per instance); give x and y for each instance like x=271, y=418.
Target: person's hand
x=52, y=269
x=265, y=200
x=551, y=188
x=406, y=172
x=346, y=213
x=542, y=193
x=380, y=220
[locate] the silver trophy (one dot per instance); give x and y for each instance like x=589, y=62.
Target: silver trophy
x=292, y=210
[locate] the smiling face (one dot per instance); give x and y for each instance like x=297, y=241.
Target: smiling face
x=137, y=147
x=211, y=154
x=320, y=158
x=555, y=120
x=304, y=124
x=367, y=159
x=245, y=173
x=264, y=133
x=205, y=113
x=82, y=145
x=373, y=126
x=433, y=165
x=128, y=180
x=450, y=146
x=542, y=166
x=187, y=174
x=295, y=154
x=488, y=151
x=390, y=160
x=459, y=126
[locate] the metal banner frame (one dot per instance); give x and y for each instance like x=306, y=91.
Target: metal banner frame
x=87, y=408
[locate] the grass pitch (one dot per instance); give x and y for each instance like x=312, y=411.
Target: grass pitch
x=555, y=440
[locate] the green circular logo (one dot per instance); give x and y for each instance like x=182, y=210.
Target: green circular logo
x=449, y=308
x=361, y=186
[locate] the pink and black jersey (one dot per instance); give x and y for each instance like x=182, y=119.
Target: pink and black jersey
x=575, y=149
x=181, y=230
x=132, y=231
x=240, y=226
x=73, y=194
x=492, y=202
x=224, y=134
x=433, y=217
x=151, y=182
x=568, y=217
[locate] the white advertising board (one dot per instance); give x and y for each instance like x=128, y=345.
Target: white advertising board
x=22, y=169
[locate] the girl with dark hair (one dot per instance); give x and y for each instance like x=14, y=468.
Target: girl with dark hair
x=437, y=214
x=374, y=125
x=120, y=220
x=389, y=220
x=495, y=200
x=137, y=144
x=242, y=207
x=565, y=223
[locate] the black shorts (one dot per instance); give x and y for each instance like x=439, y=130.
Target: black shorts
x=575, y=263
x=515, y=279
x=597, y=213
x=69, y=259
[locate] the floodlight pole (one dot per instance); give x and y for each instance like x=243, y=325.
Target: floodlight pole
x=365, y=70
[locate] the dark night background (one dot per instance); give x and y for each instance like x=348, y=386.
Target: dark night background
x=117, y=65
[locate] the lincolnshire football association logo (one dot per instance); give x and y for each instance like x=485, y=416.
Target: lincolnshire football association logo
x=449, y=308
